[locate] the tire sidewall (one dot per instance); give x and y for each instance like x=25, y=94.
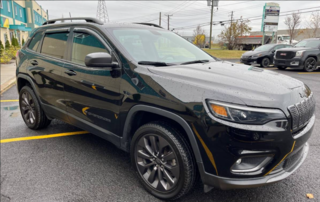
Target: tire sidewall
x=153, y=130
x=37, y=113
x=305, y=68
x=262, y=62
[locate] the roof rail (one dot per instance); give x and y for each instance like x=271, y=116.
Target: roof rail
x=148, y=24
x=87, y=19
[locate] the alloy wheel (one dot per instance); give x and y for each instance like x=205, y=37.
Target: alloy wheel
x=310, y=64
x=28, y=108
x=157, y=162
x=265, y=62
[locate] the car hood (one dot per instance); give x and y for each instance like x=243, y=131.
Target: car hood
x=250, y=53
x=228, y=82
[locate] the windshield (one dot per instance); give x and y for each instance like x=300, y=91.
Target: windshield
x=308, y=43
x=264, y=48
x=158, y=46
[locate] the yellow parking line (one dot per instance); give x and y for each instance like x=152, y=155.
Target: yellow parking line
x=9, y=100
x=42, y=136
x=310, y=73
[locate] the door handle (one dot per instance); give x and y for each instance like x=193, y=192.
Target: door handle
x=70, y=72
x=34, y=62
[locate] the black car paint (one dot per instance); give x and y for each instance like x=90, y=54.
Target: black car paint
x=248, y=59
x=179, y=93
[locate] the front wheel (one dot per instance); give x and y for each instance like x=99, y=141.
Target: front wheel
x=265, y=62
x=163, y=160
x=310, y=64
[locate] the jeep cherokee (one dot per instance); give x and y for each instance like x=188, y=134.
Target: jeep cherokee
x=180, y=112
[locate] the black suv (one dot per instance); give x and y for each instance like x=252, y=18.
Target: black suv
x=180, y=112
x=304, y=55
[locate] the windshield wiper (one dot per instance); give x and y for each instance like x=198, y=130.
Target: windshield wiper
x=194, y=61
x=154, y=63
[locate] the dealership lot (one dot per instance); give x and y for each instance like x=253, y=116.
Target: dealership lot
x=83, y=167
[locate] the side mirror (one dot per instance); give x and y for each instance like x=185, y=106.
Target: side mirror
x=99, y=59
x=273, y=51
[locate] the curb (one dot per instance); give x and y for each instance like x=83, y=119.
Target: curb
x=4, y=87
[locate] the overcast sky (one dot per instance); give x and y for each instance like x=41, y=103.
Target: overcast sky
x=185, y=14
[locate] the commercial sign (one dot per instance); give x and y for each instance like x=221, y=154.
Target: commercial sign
x=270, y=17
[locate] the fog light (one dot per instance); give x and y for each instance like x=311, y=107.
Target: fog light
x=250, y=164
x=294, y=63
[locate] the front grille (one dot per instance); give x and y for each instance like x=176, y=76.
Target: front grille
x=285, y=54
x=302, y=112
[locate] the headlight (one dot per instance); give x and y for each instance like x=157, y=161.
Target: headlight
x=258, y=55
x=245, y=115
x=299, y=53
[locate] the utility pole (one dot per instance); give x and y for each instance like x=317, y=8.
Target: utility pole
x=231, y=31
x=211, y=25
x=168, y=21
x=160, y=19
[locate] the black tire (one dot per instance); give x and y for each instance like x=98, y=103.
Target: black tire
x=31, y=111
x=265, y=62
x=282, y=67
x=310, y=64
x=178, y=149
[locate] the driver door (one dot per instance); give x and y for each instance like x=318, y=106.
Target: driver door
x=92, y=94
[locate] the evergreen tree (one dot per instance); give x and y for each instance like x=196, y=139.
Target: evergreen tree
x=23, y=41
x=1, y=47
x=7, y=45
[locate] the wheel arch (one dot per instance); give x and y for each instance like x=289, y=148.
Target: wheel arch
x=23, y=80
x=132, y=115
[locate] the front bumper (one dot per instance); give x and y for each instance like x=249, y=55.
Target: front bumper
x=248, y=60
x=234, y=183
x=293, y=63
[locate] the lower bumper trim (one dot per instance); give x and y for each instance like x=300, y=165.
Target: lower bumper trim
x=236, y=183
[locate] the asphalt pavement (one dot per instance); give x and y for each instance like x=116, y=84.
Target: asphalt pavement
x=87, y=168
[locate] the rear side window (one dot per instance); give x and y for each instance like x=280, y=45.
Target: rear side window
x=34, y=43
x=54, y=44
x=84, y=44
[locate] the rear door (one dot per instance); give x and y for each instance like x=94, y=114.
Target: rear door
x=93, y=96
x=46, y=60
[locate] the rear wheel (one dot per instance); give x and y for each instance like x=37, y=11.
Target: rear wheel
x=30, y=109
x=310, y=64
x=163, y=160
x=265, y=62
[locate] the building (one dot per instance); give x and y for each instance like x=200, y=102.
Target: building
x=19, y=17
x=302, y=33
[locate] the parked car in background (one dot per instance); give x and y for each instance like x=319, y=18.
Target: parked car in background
x=262, y=55
x=304, y=55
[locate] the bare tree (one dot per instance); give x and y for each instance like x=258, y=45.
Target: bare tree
x=230, y=34
x=293, y=22
x=313, y=24
x=199, y=36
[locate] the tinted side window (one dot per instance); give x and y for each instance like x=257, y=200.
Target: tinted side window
x=54, y=44
x=34, y=43
x=84, y=44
